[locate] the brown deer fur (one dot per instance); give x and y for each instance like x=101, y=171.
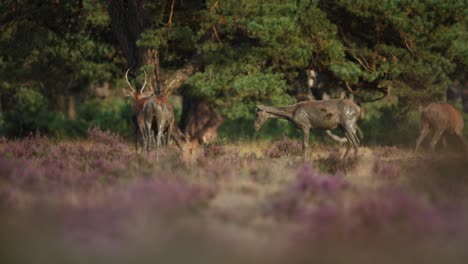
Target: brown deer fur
x=324, y=114
x=444, y=119
x=158, y=116
x=139, y=101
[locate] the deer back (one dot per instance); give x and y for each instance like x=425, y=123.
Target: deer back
x=443, y=116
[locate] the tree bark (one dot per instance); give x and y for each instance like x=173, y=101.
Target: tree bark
x=199, y=120
x=71, y=107
x=128, y=22
x=180, y=76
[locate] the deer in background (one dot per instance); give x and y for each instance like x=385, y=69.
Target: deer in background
x=445, y=120
x=158, y=117
x=139, y=101
x=324, y=114
x=321, y=85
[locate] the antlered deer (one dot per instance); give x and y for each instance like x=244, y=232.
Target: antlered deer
x=139, y=101
x=325, y=114
x=158, y=115
x=444, y=119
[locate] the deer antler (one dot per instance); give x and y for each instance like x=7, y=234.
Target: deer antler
x=126, y=78
x=142, y=88
x=349, y=88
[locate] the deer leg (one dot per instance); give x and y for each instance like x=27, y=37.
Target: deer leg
x=350, y=133
x=348, y=147
x=159, y=136
x=140, y=134
x=436, y=138
x=349, y=129
x=135, y=126
x=136, y=140
x=355, y=144
x=305, y=142
x=147, y=136
x=169, y=133
x=152, y=138
x=422, y=135
x=355, y=139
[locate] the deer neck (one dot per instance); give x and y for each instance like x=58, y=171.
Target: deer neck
x=280, y=112
x=137, y=96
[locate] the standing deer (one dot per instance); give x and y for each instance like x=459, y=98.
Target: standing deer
x=444, y=119
x=158, y=115
x=139, y=101
x=325, y=114
x=319, y=86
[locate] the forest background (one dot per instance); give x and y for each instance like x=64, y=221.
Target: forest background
x=62, y=63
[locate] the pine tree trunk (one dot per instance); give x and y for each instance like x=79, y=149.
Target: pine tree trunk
x=199, y=120
x=464, y=97
x=71, y=107
x=128, y=22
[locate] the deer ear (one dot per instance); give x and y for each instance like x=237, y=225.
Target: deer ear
x=126, y=93
x=259, y=107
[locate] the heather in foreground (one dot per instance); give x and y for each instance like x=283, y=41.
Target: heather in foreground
x=97, y=201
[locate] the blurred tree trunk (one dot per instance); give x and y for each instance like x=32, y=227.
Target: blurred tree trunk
x=464, y=97
x=71, y=107
x=199, y=120
x=128, y=21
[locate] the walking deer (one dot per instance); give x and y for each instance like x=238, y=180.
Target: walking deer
x=139, y=101
x=445, y=120
x=325, y=114
x=322, y=87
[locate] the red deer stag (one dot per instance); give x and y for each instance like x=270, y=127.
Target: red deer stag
x=139, y=101
x=444, y=119
x=158, y=116
x=325, y=114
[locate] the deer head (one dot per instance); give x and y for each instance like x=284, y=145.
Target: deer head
x=311, y=76
x=261, y=117
x=134, y=92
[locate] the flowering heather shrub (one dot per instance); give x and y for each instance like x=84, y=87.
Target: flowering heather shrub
x=31, y=146
x=308, y=189
x=440, y=177
x=334, y=163
x=99, y=197
x=285, y=147
x=321, y=203
x=395, y=209
x=388, y=151
x=104, y=137
x=213, y=150
x=386, y=170
x=37, y=165
x=112, y=216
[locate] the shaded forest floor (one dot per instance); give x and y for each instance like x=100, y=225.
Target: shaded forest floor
x=97, y=201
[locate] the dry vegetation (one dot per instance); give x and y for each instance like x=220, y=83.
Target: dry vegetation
x=96, y=201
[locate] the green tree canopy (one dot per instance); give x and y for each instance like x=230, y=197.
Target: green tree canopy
x=249, y=50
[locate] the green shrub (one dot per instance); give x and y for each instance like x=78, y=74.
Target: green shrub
x=113, y=115
x=21, y=116
x=29, y=113
x=389, y=124
x=243, y=128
